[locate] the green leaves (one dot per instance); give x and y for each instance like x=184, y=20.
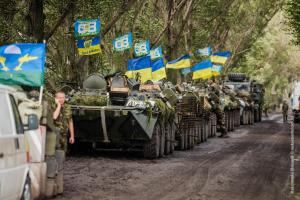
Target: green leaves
x=293, y=14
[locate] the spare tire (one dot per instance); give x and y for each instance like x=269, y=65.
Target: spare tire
x=238, y=77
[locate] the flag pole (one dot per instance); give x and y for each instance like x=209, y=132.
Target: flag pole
x=42, y=87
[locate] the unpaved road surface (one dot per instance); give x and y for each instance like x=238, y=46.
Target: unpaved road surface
x=254, y=163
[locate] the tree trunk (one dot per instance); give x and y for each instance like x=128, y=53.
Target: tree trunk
x=35, y=20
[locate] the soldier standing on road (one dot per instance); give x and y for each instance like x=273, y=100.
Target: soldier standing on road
x=285, y=109
x=62, y=117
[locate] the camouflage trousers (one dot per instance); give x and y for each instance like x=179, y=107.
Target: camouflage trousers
x=285, y=115
x=63, y=142
x=221, y=120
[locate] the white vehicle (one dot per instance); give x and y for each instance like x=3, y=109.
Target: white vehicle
x=14, y=168
x=295, y=95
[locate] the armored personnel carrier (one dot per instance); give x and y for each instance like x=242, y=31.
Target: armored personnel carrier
x=257, y=95
x=231, y=108
x=111, y=113
x=239, y=83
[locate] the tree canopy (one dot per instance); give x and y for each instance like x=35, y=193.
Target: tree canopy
x=180, y=26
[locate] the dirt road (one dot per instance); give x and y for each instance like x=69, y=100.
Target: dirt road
x=253, y=163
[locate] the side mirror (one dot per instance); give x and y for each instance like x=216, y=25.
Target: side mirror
x=33, y=122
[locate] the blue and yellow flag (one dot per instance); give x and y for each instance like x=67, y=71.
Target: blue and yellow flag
x=180, y=63
x=22, y=64
x=202, y=70
x=216, y=70
x=123, y=43
x=156, y=53
x=89, y=47
x=140, y=66
x=204, y=52
x=220, y=57
x=158, y=70
x=87, y=27
x=142, y=48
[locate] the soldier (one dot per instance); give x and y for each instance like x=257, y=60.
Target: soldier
x=62, y=117
x=215, y=99
x=285, y=109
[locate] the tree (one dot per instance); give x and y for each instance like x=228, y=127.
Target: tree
x=293, y=15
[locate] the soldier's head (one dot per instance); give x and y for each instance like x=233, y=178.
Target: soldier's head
x=61, y=97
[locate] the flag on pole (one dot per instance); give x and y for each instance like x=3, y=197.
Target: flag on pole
x=220, y=57
x=140, y=66
x=204, y=52
x=22, y=64
x=89, y=47
x=202, y=70
x=179, y=63
x=158, y=69
x=123, y=43
x=156, y=53
x=142, y=48
x=87, y=27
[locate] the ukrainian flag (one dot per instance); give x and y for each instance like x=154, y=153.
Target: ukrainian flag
x=179, y=63
x=220, y=57
x=158, y=69
x=89, y=47
x=202, y=70
x=140, y=66
x=216, y=70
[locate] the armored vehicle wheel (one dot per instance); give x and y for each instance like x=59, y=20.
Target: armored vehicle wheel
x=237, y=77
x=232, y=120
x=162, y=141
x=226, y=120
x=260, y=115
x=173, y=132
x=250, y=117
x=189, y=138
x=152, y=147
x=247, y=117
x=243, y=118
x=192, y=136
x=168, y=139
x=199, y=132
x=206, y=131
x=185, y=139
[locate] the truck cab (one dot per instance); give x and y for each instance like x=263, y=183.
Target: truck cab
x=14, y=151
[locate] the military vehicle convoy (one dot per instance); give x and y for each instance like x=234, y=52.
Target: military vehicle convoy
x=115, y=112
x=250, y=95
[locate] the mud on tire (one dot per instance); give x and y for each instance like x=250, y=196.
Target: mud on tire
x=152, y=147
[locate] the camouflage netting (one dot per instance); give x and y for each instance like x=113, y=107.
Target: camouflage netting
x=88, y=100
x=229, y=103
x=167, y=113
x=243, y=94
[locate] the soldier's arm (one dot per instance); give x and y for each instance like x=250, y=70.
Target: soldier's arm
x=71, y=130
x=68, y=114
x=57, y=111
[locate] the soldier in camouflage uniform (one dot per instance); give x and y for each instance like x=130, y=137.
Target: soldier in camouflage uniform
x=215, y=99
x=62, y=117
x=285, y=109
